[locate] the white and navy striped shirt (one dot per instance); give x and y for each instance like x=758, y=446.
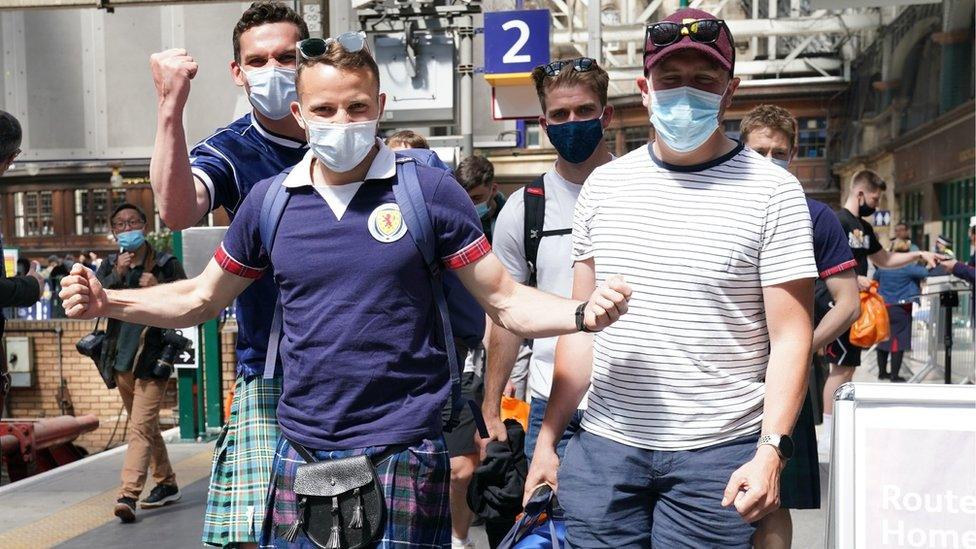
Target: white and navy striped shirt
x=684, y=368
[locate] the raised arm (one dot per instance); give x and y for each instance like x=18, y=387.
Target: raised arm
x=175, y=305
x=892, y=260
x=182, y=198
x=531, y=313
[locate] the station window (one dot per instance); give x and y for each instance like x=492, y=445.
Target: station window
x=812, y=137
x=34, y=213
x=93, y=207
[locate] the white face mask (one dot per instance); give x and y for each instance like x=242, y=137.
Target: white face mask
x=341, y=147
x=272, y=91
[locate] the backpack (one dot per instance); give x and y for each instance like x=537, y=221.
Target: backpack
x=533, y=233
x=458, y=312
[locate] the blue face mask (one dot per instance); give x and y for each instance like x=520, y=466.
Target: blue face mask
x=684, y=118
x=576, y=141
x=130, y=241
x=482, y=209
x=785, y=164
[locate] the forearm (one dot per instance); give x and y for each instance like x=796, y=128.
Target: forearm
x=847, y=307
x=531, y=314
x=174, y=305
x=786, y=381
x=503, y=347
x=169, y=169
x=894, y=260
x=19, y=291
x=570, y=381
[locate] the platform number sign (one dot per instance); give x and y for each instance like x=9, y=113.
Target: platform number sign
x=516, y=41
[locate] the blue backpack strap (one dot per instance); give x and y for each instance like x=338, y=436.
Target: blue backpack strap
x=410, y=198
x=272, y=208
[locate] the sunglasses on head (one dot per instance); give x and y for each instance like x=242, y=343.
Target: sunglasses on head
x=580, y=64
x=312, y=48
x=665, y=33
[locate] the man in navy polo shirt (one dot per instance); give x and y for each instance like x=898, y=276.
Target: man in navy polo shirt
x=219, y=172
x=364, y=368
x=771, y=131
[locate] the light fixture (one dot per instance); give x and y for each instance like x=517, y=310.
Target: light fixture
x=116, y=180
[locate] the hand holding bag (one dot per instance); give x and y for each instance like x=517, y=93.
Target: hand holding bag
x=340, y=502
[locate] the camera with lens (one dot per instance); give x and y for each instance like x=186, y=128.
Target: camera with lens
x=174, y=345
x=91, y=345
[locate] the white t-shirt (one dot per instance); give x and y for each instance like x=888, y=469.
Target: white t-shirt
x=555, y=261
x=684, y=368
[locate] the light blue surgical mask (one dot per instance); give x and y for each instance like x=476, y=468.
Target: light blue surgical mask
x=272, y=90
x=130, y=241
x=785, y=164
x=684, y=118
x=481, y=208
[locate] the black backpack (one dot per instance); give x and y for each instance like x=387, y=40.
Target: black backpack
x=535, y=217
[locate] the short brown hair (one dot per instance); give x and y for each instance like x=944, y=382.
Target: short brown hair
x=474, y=171
x=336, y=56
x=596, y=79
x=407, y=138
x=770, y=117
x=869, y=179
x=263, y=13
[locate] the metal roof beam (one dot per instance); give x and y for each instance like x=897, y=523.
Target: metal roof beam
x=745, y=28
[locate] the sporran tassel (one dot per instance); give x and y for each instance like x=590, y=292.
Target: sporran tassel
x=291, y=533
x=335, y=541
x=357, y=514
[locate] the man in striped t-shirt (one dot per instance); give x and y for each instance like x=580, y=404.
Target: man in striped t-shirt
x=716, y=242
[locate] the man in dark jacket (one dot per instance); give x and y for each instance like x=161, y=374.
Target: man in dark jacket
x=132, y=350
x=17, y=291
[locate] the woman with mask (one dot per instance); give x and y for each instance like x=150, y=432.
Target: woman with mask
x=132, y=350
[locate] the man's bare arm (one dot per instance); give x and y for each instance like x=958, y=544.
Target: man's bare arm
x=570, y=379
x=754, y=487
x=892, y=260
x=175, y=305
x=503, y=348
x=847, y=307
x=531, y=313
x=182, y=199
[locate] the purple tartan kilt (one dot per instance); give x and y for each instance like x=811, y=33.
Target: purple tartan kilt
x=900, y=320
x=416, y=485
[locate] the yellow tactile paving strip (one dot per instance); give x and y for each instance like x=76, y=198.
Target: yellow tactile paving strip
x=93, y=512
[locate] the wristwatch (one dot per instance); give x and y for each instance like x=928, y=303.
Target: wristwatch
x=782, y=443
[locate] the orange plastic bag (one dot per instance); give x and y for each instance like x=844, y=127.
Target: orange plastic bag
x=873, y=325
x=513, y=408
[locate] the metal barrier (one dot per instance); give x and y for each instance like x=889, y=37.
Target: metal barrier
x=931, y=333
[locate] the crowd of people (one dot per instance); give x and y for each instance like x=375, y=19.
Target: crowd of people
x=664, y=357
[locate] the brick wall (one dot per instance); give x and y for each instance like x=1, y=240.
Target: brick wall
x=86, y=392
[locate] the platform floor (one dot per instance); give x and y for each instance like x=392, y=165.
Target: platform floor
x=71, y=507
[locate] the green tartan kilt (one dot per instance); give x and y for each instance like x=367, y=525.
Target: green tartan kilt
x=241, y=467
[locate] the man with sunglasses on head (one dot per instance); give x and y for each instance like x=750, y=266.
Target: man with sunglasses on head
x=219, y=172
x=692, y=396
x=365, y=367
x=573, y=95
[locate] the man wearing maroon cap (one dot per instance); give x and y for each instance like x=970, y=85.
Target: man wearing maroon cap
x=693, y=395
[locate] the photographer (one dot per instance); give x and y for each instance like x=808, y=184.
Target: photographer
x=133, y=352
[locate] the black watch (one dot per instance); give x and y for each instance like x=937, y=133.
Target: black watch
x=782, y=443
x=580, y=312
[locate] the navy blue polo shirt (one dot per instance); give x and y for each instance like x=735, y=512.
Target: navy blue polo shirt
x=229, y=163
x=831, y=250
x=364, y=363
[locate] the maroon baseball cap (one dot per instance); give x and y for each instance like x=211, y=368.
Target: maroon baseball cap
x=721, y=50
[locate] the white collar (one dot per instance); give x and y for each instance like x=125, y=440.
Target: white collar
x=280, y=140
x=383, y=167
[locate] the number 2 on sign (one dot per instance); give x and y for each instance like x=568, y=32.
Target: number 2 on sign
x=512, y=55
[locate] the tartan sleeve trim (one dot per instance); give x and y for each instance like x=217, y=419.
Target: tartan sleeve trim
x=826, y=273
x=234, y=266
x=468, y=254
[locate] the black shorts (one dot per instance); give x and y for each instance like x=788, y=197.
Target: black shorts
x=460, y=440
x=842, y=352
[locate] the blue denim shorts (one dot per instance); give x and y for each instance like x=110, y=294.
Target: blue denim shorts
x=619, y=496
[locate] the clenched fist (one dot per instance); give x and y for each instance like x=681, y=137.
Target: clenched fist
x=172, y=71
x=82, y=294
x=607, y=303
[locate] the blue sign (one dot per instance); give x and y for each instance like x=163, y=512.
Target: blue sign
x=516, y=41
